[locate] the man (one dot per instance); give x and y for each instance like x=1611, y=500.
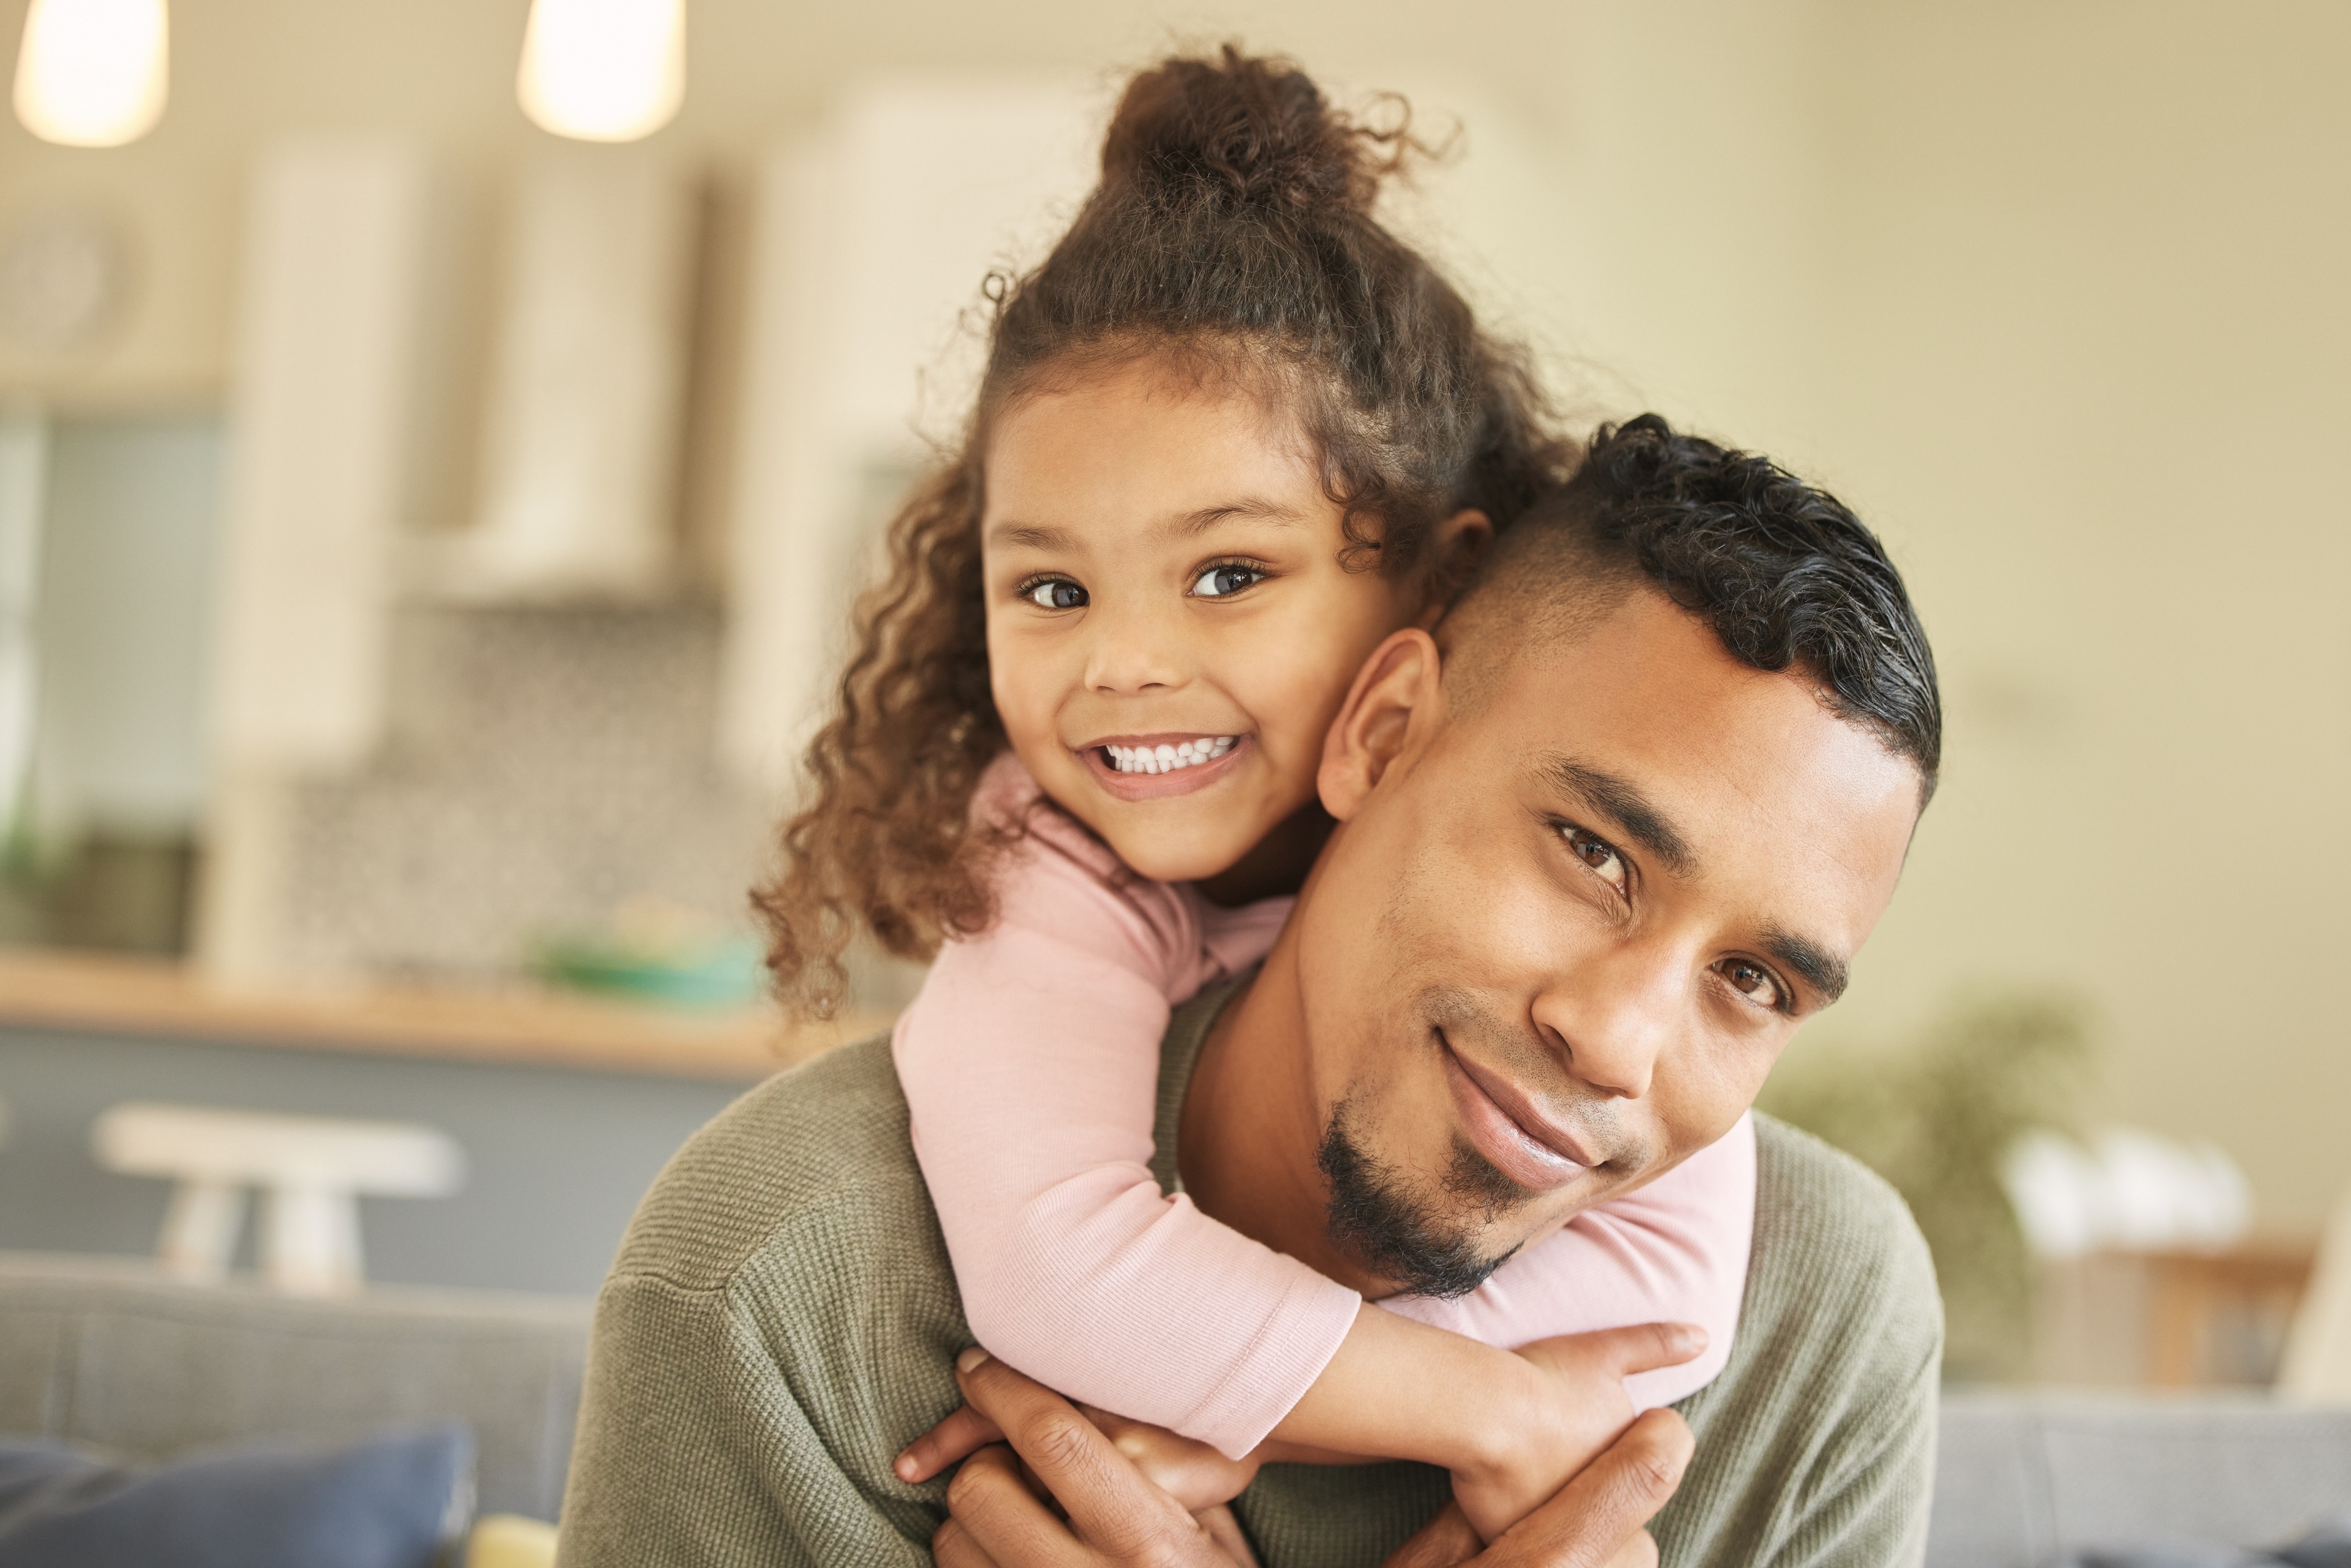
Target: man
x=1603, y=842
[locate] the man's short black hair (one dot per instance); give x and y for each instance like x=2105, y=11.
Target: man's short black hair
x=1784, y=572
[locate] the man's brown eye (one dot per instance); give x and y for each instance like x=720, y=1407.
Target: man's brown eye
x=1750, y=978
x=1599, y=854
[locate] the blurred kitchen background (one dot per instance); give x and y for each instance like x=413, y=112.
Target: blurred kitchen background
x=439, y=440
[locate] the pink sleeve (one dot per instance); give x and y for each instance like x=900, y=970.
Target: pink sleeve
x=1672, y=1252
x=1031, y=1064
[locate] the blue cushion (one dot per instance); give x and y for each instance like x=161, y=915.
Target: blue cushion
x=391, y=1501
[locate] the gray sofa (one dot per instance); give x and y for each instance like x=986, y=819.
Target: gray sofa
x=109, y=1354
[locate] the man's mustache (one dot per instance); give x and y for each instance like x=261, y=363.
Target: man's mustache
x=1531, y=1063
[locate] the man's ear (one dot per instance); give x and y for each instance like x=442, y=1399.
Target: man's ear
x=1398, y=700
x=1456, y=546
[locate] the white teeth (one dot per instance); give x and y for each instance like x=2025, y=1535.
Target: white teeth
x=1168, y=758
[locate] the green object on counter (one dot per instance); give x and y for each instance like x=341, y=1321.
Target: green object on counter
x=720, y=974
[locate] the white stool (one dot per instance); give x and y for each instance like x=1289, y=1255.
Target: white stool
x=311, y=1168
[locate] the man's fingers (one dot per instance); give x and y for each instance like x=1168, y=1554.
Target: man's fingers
x=952, y=1547
x=962, y=1433
x=999, y=1521
x=1588, y=1522
x=1108, y=1499
x=1225, y=1532
x=1641, y=1552
x=1445, y=1541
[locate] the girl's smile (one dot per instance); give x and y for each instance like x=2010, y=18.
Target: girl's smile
x=1155, y=766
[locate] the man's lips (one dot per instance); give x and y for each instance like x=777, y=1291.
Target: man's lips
x=1505, y=1126
x=1158, y=785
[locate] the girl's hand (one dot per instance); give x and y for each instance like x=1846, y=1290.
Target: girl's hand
x=1193, y=1473
x=1578, y=1407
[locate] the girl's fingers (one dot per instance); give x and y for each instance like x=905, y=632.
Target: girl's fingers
x=1638, y=1347
x=964, y=1433
x=1191, y=1472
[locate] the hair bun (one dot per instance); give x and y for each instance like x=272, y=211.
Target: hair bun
x=1254, y=130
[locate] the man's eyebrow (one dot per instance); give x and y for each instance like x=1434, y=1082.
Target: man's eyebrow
x=1622, y=798
x=1822, y=969
x=1032, y=536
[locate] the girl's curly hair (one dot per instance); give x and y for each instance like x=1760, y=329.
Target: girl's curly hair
x=1232, y=231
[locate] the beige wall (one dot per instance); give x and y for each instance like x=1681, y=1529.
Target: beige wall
x=2055, y=294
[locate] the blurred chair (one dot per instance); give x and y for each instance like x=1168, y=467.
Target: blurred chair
x=2317, y=1365
x=311, y=1170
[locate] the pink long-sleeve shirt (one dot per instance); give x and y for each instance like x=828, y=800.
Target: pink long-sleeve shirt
x=1031, y=1064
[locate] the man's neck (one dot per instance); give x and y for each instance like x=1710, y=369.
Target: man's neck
x=1251, y=1129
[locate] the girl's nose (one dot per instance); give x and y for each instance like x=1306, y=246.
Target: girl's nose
x=1132, y=657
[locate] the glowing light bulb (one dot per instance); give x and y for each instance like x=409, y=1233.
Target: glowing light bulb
x=603, y=70
x=93, y=73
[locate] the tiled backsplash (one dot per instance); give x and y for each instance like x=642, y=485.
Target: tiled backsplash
x=543, y=767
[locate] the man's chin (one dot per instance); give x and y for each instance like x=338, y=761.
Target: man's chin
x=1423, y=1243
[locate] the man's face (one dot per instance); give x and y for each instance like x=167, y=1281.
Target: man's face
x=1558, y=942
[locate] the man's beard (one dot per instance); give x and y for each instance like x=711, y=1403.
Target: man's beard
x=1406, y=1237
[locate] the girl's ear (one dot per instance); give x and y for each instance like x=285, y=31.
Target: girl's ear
x=1398, y=700
x=1454, y=548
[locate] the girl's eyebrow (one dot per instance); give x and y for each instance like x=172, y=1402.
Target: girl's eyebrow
x=1031, y=535
x=1254, y=508
x=1191, y=525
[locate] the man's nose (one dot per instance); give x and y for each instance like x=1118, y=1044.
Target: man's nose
x=1133, y=652
x=1613, y=1014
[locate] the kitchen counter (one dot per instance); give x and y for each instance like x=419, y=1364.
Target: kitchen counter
x=124, y=996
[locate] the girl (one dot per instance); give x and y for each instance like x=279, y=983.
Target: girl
x=1232, y=433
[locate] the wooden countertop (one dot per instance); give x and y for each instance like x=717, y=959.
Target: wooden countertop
x=102, y=993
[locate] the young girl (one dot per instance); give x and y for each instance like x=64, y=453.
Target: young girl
x=1232, y=434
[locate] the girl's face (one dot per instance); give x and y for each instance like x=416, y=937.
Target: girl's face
x=1169, y=629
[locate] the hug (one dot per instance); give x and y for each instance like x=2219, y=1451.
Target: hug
x=1372, y=850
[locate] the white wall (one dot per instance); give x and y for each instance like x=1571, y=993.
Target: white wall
x=2054, y=292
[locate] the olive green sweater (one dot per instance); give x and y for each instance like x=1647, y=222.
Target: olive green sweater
x=782, y=1319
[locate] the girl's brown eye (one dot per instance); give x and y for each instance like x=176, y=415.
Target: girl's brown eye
x=1219, y=581
x=1055, y=593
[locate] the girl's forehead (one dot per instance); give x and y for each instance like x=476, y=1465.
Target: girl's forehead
x=1137, y=440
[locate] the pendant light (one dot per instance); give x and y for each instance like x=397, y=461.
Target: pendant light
x=603, y=70
x=93, y=73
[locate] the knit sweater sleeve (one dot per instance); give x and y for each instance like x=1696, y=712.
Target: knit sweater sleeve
x=780, y=1323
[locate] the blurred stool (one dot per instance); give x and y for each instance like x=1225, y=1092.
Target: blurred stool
x=2317, y=1368
x=310, y=1169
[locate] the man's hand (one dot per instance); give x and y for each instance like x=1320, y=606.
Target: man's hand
x=1117, y=1516
x=1195, y=1474
x=995, y=1518
x=1599, y=1519
x=1580, y=1407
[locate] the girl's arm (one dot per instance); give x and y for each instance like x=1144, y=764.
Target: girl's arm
x=1030, y=1067
x=1673, y=1252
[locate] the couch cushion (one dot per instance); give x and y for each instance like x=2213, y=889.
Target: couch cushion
x=394, y=1500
